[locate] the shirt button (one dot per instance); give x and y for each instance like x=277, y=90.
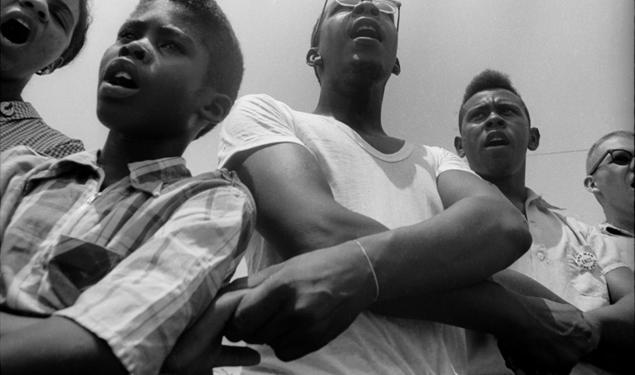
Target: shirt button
x=7, y=109
x=541, y=255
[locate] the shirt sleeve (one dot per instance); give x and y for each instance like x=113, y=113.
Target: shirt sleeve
x=255, y=121
x=607, y=253
x=15, y=165
x=448, y=161
x=143, y=305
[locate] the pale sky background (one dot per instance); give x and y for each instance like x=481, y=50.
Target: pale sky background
x=571, y=60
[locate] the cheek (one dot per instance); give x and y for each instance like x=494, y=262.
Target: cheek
x=50, y=46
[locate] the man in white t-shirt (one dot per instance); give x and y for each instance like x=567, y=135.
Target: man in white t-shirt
x=322, y=180
x=610, y=178
x=567, y=256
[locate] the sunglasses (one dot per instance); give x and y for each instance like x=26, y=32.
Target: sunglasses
x=618, y=156
x=390, y=7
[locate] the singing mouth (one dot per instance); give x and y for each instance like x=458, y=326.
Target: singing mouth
x=16, y=31
x=495, y=139
x=122, y=73
x=365, y=28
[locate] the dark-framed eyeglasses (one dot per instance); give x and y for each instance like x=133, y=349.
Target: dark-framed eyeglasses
x=390, y=7
x=618, y=156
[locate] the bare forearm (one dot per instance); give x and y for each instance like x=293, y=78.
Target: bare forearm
x=616, y=337
x=56, y=346
x=486, y=307
x=454, y=249
x=10, y=322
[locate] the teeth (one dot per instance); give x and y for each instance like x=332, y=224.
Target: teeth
x=21, y=22
x=123, y=75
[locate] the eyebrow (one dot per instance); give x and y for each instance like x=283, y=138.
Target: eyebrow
x=61, y=6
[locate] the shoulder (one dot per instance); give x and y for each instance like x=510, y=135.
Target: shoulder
x=21, y=159
x=220, y=184
x=443, y=160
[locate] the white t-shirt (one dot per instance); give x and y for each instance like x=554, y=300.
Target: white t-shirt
x=396, y=189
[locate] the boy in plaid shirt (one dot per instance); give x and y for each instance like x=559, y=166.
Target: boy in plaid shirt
x=108, y=257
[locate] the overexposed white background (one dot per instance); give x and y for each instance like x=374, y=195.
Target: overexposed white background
x=571, y=60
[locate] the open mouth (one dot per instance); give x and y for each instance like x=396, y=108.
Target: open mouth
x=15, y=31
x=365, y=28
x=122, y=73
x=122, y=79
x=496, y=139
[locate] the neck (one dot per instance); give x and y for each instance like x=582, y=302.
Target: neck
x=513, y=187
x=357, y=105
x=11, y=89
x=120, y=150
x=622, y=219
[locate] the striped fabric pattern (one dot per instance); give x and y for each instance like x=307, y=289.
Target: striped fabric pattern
x=20, y=124
x=135, y=263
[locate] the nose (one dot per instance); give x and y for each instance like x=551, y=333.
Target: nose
x=136, y=50
x=366, y=6
x=39, y=7
x=494, y=121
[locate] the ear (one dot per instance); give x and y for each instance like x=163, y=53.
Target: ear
x=396, y=69
x=590, y=185
x=458, y=145
x=50, y=68
x=313, y=58
x=213, y=110
x=534, y=139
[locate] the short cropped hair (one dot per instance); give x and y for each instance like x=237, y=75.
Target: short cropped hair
x=78, y=38
x=225, y=72
x=604, y=138
x=489, y=80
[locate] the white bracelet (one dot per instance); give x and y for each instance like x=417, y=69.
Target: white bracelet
x=372, y=269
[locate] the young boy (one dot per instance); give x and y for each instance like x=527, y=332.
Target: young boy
x=37, y=37
x=113, y=254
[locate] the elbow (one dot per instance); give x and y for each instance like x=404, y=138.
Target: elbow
x=514, y=235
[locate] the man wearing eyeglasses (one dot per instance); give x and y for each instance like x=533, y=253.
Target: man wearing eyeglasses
x=566, y=256
x=610, y=169
x=329, y=184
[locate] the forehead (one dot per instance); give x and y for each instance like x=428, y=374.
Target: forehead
x=618, y=141
x=493, y=96
x=166, y=12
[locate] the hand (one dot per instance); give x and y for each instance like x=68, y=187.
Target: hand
x=553, y=343
x=302, y=304
x=199, y=348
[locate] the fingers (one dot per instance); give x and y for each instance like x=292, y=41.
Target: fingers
x=256, y=308
x=253, y=280
x=236, y=356
x=206, y=332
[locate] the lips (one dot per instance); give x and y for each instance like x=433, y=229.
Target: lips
x=17, y=28
x=365, y=28
x=120, y=78
x=495, y=139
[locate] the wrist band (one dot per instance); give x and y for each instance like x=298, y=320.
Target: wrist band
x=372, y=269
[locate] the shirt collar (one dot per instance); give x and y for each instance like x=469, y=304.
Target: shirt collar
x=148, y=176
x=612, y=229
x=533, y=198
x=17, y=110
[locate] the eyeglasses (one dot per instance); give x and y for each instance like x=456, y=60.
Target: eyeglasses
x=618, y=156
x=390, y=7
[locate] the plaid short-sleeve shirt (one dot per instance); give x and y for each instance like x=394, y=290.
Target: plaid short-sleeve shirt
x=134, y=263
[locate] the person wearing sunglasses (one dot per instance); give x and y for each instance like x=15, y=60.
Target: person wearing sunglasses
x=567, y=256
x=610, y=170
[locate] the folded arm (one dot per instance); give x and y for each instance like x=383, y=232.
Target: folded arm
x=56, y=345
x=455, y=248
x=615, y=323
